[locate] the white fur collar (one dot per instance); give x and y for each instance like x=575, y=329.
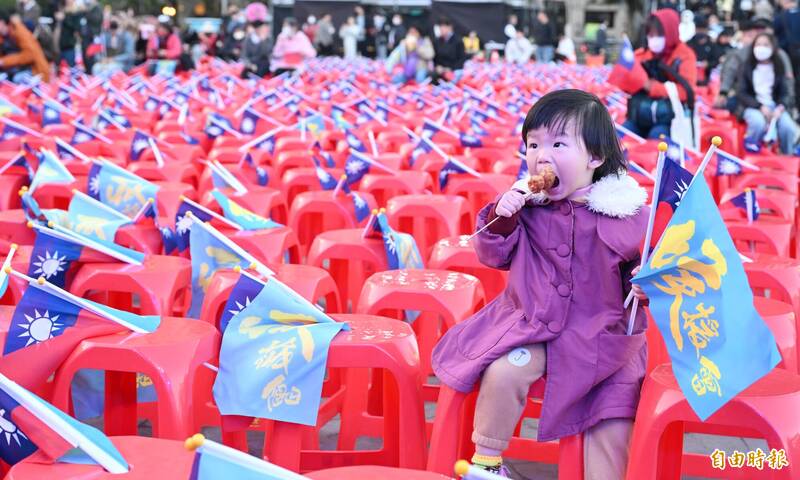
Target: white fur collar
x=613, y=196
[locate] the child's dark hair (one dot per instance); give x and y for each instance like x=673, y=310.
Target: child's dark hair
x=557, y=109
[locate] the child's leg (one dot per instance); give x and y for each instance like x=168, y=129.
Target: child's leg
x=605, y=449
x=504, y=391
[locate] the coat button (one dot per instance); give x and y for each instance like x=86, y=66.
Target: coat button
x=555, y=327
x=563, y=290
x=566, y=208
x=563, y=250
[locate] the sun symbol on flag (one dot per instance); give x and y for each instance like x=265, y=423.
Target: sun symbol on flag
x=445, y=172
x=674, y=152
x=627, y=54
x=239, y=306
x=323, y=175
x=728, y=167
x=183, y=224
x=94, y=185
x=40, y=327
x=81, y=137
x=389, y=239
x=358, y=201
x=680, y=191
x=10, y=431
x=248, y=125
x=50, y=113
x=354, y=167
x=140, y=145
x=268, y=145
x=49, y=265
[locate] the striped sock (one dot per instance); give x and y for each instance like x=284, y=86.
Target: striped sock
x=487, y=461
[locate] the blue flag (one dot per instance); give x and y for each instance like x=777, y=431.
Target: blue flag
x=360, y=206
x=212, y=464
x=674, y=152
x=52, y=257
x=273, y=356
x=261, y=175
x=93, y=219
x=401, y=248
x=208, y=255
x=267, y=143
x=703, y=306
x=10, y=131
x=354, y=142
x=244, y=292
x=468, y=140
x=240, y=215
x=452, y=166
x=50, y=170
x=184, y=224
x=423, y=147
x=120, y=189
x=249, y=122
x=83, y=133
x=326, y=180
x=747, y=202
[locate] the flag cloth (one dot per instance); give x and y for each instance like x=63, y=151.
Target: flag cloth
x=256, y=174
x=267, y=144
x=360, y=206
x=243, y=293
x=10, y=131
x=45, y=328
x=50, y=170
x=423, y=146
x=93, y=219
x=355, y=167
x=468, y=140
x=273, y=356
x=50, y=115
x=120, y=189
x=626, y=55
x=452, y=166
x=224, y=462
x=183, y=224
x=26, y=431
x=401, y=248
x=337, y=113
x=318, y=156
x=674, y=182
x=326, y=180
x=242, y=216
x=354, y=142
x=208, y=255
x=747, y=202
x=728, y=164
x=139, y=143
x=249, y=122
x=83, y=133
x=703, y=306
x=674, y=151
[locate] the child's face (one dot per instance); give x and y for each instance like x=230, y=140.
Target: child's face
x=566, y=154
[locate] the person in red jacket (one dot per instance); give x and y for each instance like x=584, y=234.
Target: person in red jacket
x=665, y=59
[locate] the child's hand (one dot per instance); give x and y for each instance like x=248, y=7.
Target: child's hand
x=510, y=203
x=637, y=290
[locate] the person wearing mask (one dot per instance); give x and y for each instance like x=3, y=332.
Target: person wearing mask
x=729, y=73
x=68, y=26
x=29, y=57
x=518, y=49
x=398, y=31
x=323, y=41
x=544, y=35
x=412, y=56
x=164, y=45
x=349, y=32
x=665, y=59
x=449, y=50
x=703, y=48
x=763, y=96
x=232, y=44
x=787, y=32
x=714, y=27
x=292, y=48
x=118, y=50
x=310, y=28
x=257, y=50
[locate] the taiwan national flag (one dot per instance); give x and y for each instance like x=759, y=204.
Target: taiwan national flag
x=30, y=425
x=728, y=164
x=354, y=142
x=183, y=224
x=50, y=170
x=139, y=143
x=47, y=326
x=50, y=115
x=747, y=202
x=675, y=181
x=244, y=292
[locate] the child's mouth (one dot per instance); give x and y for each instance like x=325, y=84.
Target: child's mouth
x=556, y=183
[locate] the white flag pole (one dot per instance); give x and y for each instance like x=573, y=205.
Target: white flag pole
x=212, y=213
x=257, y=466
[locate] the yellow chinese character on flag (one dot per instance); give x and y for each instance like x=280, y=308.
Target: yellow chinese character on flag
x=756, y=458
x=718, y=459
x=777, y=459
x=736, y=459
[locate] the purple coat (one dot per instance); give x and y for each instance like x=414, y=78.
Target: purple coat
x=569, y=272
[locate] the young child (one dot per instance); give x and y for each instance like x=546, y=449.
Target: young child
x=570, y=252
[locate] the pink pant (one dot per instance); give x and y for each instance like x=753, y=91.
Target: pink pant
x=502, y=398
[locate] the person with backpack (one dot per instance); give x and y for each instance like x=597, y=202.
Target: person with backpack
x=665, y=59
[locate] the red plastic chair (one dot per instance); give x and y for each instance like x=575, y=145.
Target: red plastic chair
x=764, y=410
x=772, y=204
x=171, y=356
x=10, y=184
x=479, y=191
x=371, y=473
x=169, y=199
x=148, y=459
x=775, y=180
x=451, y=296
x=319, y=211
x=771, y=236
x=298, y=180
x=384, y=187
x=14, y=228
x=375, y=343
x=162, y=284
x=429, y=218
x=265, y=201
x=289, y=159
x=351, y=259
x=452, y=427
x=273, y=246
x=458, y=255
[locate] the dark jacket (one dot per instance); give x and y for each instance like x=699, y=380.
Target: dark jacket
x=746, y=94
x=545, y=34
x=449, y=53
x=70, y=29
x=257, y=54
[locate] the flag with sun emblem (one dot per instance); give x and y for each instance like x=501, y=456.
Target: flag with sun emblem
x=29, y=424
x=208, y=255
x=120, y=189
x=244, y=292
x=183, y=224
x=273, y=356
x=139, y=143
x=355, y=167
x=401, y=248
x=94, y=219
x=675, y=181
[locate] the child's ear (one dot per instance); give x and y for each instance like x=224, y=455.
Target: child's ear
x=596, y=162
